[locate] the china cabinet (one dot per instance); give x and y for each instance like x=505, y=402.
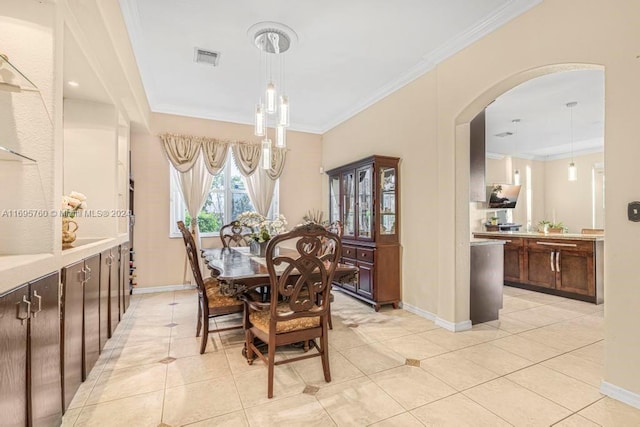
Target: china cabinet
x=364, y=196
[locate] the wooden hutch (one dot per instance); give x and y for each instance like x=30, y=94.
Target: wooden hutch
x=364, y=196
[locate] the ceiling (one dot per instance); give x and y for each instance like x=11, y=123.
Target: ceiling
x=544, y=130
x=349, y=54
x=340, y=65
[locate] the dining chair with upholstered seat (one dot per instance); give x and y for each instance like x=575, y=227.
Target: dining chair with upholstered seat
x=298, y=309
x=235, y=234
x=327, y=247
x=211, y=303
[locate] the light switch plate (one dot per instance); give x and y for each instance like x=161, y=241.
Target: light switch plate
x=633, y=211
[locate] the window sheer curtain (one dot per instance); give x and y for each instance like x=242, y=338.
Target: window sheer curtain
x=197, y=159
x=260, y=182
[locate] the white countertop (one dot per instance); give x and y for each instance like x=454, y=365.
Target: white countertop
x=536, y=235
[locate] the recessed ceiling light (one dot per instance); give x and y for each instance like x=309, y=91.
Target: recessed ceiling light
x=73, y=84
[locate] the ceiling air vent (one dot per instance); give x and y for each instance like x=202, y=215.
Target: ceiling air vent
x=206, y=57
x=503, y=134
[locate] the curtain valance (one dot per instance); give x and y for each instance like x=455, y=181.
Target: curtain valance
x=184, y=150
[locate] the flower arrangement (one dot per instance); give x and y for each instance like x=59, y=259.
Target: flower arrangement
x=72, y=203
x=263, y=228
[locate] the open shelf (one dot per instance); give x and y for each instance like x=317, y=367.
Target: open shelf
x=8, y=155
x=12, y=79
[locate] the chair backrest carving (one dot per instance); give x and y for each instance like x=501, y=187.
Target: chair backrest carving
x=302, y=279
x=192, y=254
x=235, y=234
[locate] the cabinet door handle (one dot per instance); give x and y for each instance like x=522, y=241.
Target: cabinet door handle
x=568, y=245
x=551, y=259
x=88, y=274
x=108, y=260
x=558, y=261
x=38, y=299
x=82, y=276
x=23, y=315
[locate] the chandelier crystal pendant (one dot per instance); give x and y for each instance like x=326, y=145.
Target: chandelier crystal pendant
x=273, y=39
x=573, y=171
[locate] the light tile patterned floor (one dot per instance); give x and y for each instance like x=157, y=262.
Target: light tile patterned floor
x=540, y=364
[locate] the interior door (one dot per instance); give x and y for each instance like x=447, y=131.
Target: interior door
x=45, y=396
x=13, y=357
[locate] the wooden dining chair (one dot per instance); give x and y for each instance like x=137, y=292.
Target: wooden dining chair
x=235, y=234
x=211, y=303
x=299, y=305
x=328, y=247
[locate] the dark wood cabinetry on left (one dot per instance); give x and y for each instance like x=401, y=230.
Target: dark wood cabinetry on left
x=30, y=390
x=80, y=323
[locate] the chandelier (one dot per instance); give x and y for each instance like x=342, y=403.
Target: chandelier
x=272, y=110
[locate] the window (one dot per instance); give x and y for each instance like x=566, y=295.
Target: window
x=227, y=199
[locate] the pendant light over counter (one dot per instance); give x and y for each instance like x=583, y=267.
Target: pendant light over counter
x=573, y=171
x=516, y=172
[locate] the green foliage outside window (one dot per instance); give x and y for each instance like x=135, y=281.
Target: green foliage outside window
x=208, y=222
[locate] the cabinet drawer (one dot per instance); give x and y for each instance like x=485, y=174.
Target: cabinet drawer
x=364, y=254
x=565, y=245
x=349, y=251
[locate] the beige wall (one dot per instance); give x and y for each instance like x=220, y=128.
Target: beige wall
x=571, y=202
x=160, y=259
x=426, y=124
x=553, y=195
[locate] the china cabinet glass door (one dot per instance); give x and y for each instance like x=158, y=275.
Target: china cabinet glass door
x=348, y=203
x=387, y=200
x=365, y=202
x=334, y=198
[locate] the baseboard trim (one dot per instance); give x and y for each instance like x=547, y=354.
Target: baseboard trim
x=420, y=312
x=450, y=326
x=621, y=394
x=168, y=288
x=453, y=327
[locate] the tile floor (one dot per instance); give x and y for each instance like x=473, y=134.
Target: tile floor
x=540, y=364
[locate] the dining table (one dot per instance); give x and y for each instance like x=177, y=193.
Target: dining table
x=238, y=271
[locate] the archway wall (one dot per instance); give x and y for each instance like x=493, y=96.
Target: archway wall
x=425, y=123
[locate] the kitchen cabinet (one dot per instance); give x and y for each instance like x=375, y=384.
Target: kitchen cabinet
x=125, y=272
x=566, y=266
x=30, y=389
x=109, y=270
x=364, y=196
x=569, y=266
x=80, y=323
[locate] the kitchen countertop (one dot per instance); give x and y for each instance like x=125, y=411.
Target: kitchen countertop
x=536, y=235
x=482, y=242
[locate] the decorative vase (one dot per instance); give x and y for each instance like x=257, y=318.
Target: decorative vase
x=258, y=248
x=69, y=228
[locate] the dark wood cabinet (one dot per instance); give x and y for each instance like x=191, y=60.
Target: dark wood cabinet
x=30, y=389
x=80, y=323
x=125, y=291
x=567, y=267
x=114, y=291
x=364, y=196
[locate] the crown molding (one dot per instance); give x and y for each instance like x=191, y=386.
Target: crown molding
x=492, y=22
x=200, y=113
